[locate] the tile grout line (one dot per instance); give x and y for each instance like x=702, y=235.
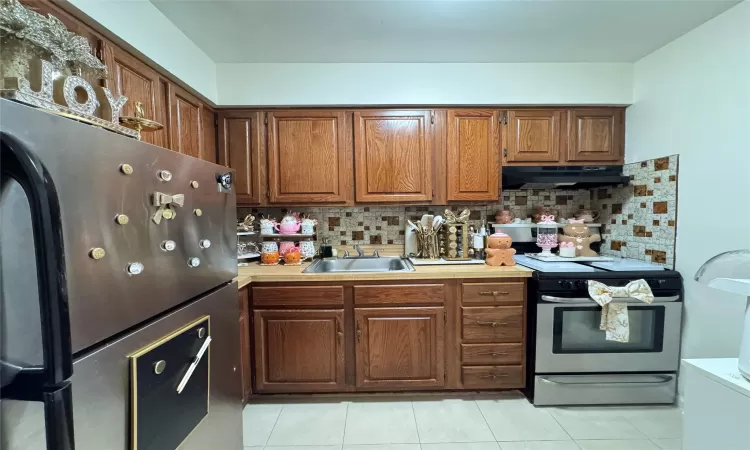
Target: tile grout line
x=274, y=426
x=560, y=425
x=346, y=418
x=487, y=423
x=416, y=426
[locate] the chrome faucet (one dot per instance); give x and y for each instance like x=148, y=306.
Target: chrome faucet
x=361, y=253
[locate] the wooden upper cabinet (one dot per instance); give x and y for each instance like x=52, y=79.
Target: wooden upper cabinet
x=208, y=121
x=393, y=156
x=139, y=83
x=241, y=147
x=186, y=123
x=472, y=147
x=534, y=135
x=299, y=350
x=309, y=157
x=399, y=348
x=596, y=135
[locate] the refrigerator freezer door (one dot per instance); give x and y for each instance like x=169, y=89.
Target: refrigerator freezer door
x=118, y=273
x=102, y=393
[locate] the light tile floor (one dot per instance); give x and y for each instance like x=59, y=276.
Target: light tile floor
x=508, y=422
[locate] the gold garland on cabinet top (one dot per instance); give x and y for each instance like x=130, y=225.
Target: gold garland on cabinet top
x=27, y=40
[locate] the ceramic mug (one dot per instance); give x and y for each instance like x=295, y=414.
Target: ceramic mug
x=308, y=228
x=307, y=249
x=266, y=227
x=285, y=247
x=269, y=247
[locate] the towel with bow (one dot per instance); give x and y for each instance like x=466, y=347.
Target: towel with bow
x=614, y=319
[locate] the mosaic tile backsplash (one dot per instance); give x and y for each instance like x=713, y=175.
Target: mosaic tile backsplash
x=639, y=219
x=385, y=224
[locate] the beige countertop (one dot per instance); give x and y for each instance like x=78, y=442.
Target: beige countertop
x=255, y=273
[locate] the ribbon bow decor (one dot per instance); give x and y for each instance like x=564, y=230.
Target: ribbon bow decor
x=165, y=202
x=614, y=320
x=451, y=218
x=547, y=219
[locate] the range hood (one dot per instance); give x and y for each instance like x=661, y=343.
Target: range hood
x=551, y=177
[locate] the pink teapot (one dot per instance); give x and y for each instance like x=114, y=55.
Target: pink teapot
x=289, y=224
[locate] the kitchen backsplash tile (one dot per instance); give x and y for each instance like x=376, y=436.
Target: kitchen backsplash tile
x=639, y=219
x=385, y=224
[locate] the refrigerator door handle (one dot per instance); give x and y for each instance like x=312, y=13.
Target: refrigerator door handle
x=58, y=417
x=47, y=384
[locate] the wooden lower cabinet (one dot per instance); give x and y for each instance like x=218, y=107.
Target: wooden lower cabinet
x=393, y=336
x=399, y=348
x=299, y=350
x=245, y=356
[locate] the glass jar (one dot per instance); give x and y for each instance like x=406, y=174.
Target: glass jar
x=546, y=234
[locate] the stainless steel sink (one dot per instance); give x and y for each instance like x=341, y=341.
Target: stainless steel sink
x=381, y=264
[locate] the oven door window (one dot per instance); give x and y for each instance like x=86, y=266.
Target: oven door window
x=576, y=330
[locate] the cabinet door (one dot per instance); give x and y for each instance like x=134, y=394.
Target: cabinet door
x=186, y=123
x=399, y=348
x=309, y=157
x=595, y=135
x=473, y=168
x=241, y=147
x=247, y=384
x=139, y=83
x=534, y=136
x=393, y=156
x=208, y=120
x=299, y=350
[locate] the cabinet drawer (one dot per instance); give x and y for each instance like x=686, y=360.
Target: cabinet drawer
x=399, y=293
x=298, y=296
x=493, y=293
x=493, y=324
x=476, y=354
x=492, y=377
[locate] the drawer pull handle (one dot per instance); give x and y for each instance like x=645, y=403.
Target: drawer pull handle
x=359, y=333
x=494, y=376
x=494, y=293
x=491, y=324
x=498, y=354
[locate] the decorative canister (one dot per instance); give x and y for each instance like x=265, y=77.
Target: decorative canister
x=267, y=226
x=308, y=225
x=269, y=246
x=307, y=249
x=285, y=247
x=269, y=258
x=546, y=234
x=293, y=256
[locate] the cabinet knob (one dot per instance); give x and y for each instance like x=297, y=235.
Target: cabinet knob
x=97, y=253
x=164, y=175
x=204, y=243
x=194, y=262
x=126, y=169
x=122, y=219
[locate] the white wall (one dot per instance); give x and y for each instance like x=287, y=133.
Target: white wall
x=426, y=84
x=143, y=26
x=692, y=97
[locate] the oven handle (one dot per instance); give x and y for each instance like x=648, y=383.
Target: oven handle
x=664, y=379
x=553, y=299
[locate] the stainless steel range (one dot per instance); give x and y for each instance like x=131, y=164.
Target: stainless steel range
x=119, y=315
x=571, y=362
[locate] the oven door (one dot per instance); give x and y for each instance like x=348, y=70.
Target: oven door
x=569, y=339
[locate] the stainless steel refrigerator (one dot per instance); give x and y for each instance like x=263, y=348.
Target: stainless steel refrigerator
x=119, y=318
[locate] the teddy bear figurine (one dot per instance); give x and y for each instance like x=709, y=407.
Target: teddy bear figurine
x=499, y=252
x=578, y=233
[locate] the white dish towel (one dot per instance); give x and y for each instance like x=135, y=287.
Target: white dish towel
x=614, y=321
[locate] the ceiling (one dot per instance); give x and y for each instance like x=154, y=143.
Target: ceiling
x=279, y=31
